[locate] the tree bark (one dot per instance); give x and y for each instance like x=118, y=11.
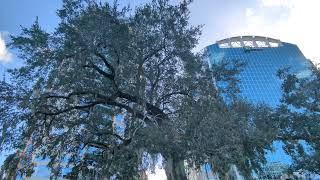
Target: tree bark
x=175, y=169
x=143, y=175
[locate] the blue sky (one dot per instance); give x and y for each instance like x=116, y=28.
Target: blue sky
x=291, y=21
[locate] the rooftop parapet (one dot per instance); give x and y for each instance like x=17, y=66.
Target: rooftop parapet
x=249, y=41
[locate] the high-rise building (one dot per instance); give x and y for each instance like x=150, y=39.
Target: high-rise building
x=263, y=57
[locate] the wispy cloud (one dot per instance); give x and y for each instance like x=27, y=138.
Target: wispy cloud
x=292, y=21
x=5, y=55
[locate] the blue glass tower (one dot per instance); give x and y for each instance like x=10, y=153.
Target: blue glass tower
x=259, y=83
x=263, y=57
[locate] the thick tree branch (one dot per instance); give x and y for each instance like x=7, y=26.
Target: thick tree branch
x=153, y=110
x=100, y=71
x=78, y=107
x=105, y=61
x=98, y=145
x=101, y=99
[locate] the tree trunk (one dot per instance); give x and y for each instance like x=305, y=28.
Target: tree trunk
x=175, y=169
x=143, y=175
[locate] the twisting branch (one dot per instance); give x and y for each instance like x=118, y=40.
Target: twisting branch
x=100, y=71
x=78, y=107
x=152, y=109
x=105, y=61
x=98, y=145
x=101, y=99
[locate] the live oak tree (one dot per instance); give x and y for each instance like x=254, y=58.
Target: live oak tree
x=110, y=87
x=299, y=119
x=237, y=134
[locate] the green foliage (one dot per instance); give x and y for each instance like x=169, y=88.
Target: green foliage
x=299, y=119
x=103, y=63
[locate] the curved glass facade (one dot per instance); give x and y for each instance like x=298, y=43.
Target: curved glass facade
x=259, y=81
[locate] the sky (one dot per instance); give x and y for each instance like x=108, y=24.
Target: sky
x=293, y=21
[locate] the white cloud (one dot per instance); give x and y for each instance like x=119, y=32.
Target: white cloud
x=292, y=21
x=5, y=55
x=273, y=3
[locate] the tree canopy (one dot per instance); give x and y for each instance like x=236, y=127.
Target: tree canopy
x=112, y=88
x=299, y=119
